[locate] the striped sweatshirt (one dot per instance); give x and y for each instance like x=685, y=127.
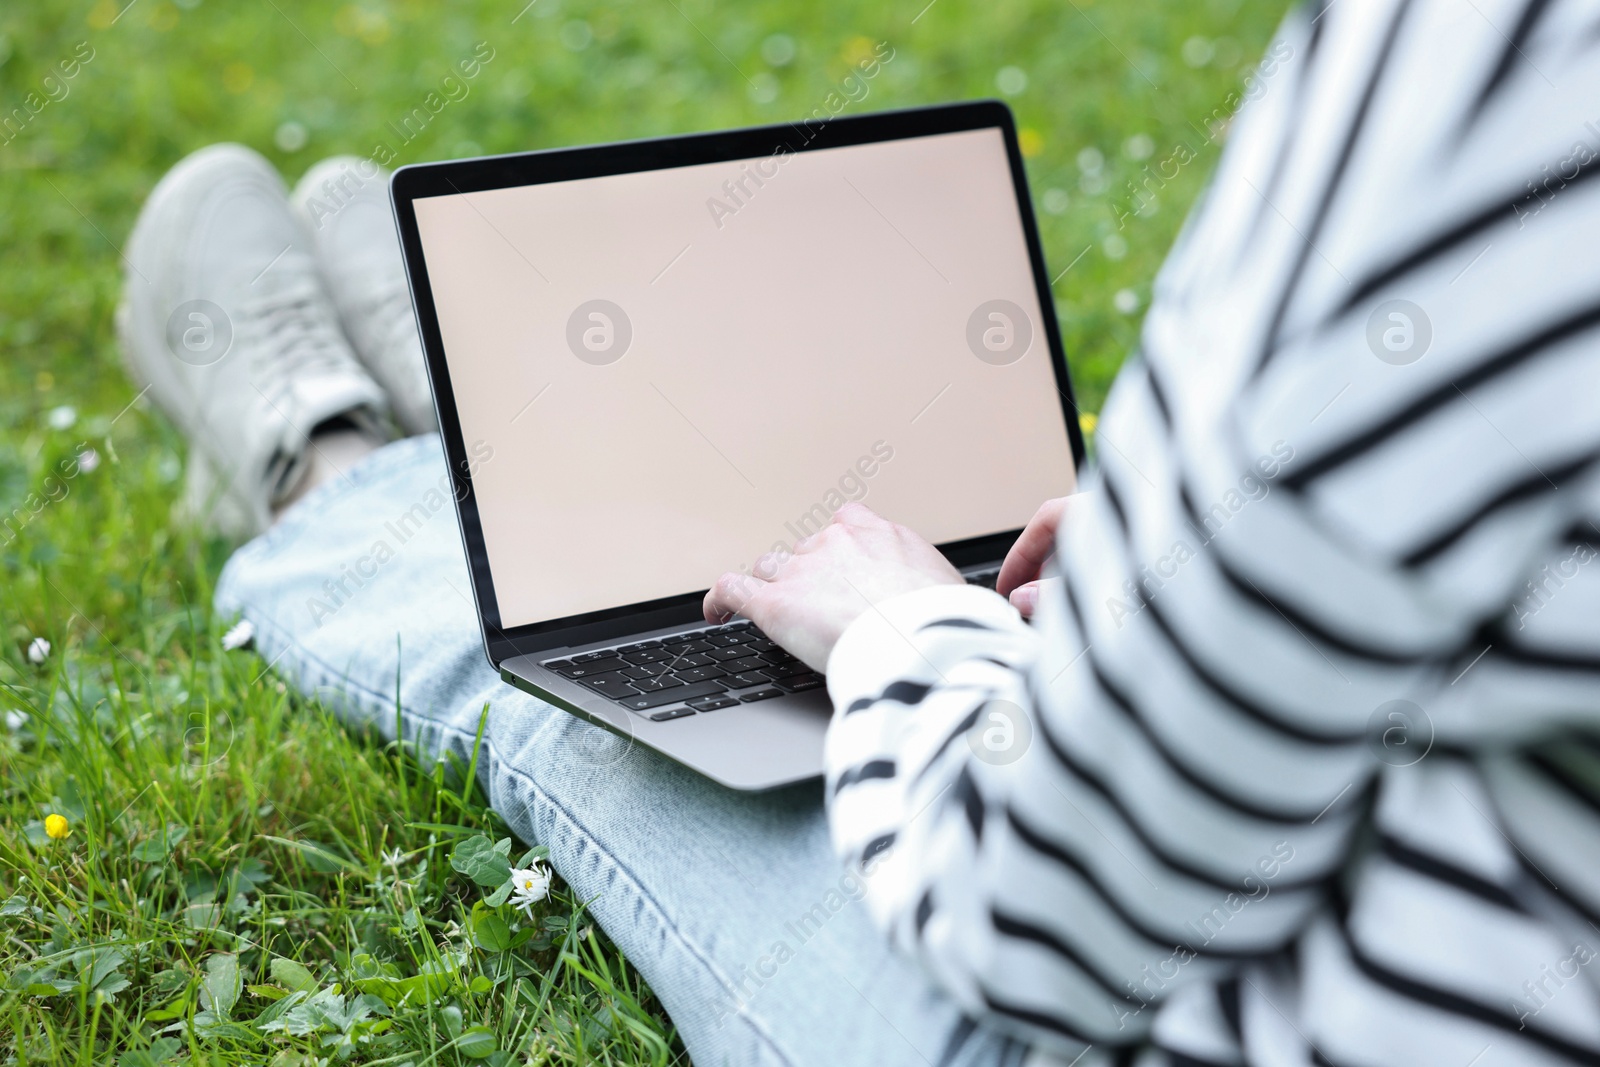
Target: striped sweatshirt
x=1299, y=762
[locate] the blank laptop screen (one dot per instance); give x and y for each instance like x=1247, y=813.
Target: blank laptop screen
x=662, y=375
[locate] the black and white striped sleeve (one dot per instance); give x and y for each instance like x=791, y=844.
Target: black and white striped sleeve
x=1300, y=747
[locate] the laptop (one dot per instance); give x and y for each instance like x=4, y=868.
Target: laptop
x=655, y=361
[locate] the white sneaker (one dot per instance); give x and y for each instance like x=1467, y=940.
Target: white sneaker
x=224, y=319
x=343, y=203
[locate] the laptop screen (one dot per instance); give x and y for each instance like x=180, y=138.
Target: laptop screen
x=661, y=375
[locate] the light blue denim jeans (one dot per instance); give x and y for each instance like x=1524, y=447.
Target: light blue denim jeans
x=732, y=906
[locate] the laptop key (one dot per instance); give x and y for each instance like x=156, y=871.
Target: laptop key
x=723, y=640
x=590, y=668
x=741, y=666
x=698, y=674
x=745, y=681
x=676, y=695
x=651, y=685
x=731, y=652
x=692, y=659
x=697, y=645
x=800, y=683
x=611, y=685
x=647, y=670
x=786, y=670
x=671, y=713
x=760, y=694
x=984, y=579
x=590, y=657
x=647, y=655
x=714, y=703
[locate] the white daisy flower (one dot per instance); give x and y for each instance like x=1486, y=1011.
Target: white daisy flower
x=88, y=460
x=529, y=886
x=243, y=632
x=392, y=858
x=16, y=720
x=38, y=650
x=63, y=417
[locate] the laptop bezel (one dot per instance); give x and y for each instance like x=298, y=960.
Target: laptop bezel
x=418, y=181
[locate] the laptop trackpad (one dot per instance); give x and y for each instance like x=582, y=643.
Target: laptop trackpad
x=753, y=746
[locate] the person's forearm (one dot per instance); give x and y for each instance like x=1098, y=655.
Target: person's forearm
x=1061, y=853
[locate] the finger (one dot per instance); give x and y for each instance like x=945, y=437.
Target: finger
x=1036, y=544
x=855, y=514
x=767, y=567
x=1025, y=598
x=731, y=595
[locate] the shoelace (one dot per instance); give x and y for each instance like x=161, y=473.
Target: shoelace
x=295, y=336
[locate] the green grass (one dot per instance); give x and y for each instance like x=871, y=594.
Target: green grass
x=225, y=881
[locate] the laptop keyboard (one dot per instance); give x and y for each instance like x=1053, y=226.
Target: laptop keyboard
x=705, y=670
x=701, y=671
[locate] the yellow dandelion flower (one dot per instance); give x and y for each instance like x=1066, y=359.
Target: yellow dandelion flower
x=1087, y=421
x=1031, y=141
x=56, y=826
x=103, y=15
x=857, y=50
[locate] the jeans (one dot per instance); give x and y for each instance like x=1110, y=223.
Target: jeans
x=732, y=906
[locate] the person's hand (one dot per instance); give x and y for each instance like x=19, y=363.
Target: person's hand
x=806, y=601
x=1019, y=574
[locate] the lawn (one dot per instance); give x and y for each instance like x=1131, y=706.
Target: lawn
x=242, y=880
